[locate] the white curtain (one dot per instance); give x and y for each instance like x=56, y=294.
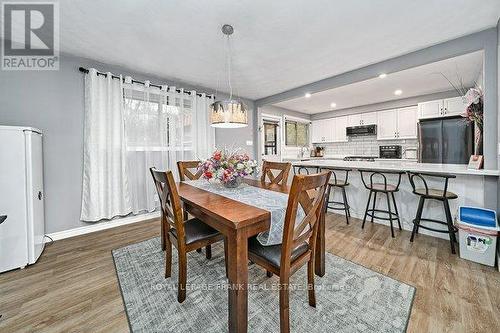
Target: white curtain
x=105, y=191
x=162, y=126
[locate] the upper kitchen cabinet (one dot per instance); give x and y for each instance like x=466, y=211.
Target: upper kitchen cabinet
x=362, y=119
x=441, y=108
x=329, y=130
x=339, y=126
x=397, y=124
x=387, y=126
x=407, y=123
x=322, y=131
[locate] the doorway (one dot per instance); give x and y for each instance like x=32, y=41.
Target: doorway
x=270, y=138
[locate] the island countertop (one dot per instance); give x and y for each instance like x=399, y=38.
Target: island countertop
x=454, y=169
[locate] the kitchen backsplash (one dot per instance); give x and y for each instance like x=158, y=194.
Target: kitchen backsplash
x=364, y=146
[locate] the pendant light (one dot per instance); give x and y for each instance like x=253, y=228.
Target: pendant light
x=229, y=113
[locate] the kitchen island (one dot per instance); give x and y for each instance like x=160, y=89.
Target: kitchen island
x=473, y=187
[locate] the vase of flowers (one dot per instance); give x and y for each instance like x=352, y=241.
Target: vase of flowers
x=229, y=167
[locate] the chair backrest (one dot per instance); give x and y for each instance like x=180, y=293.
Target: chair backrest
x=281, y=177
x=170, y=202
x=339, y=175
x=381, y=176
x=307, y=192
x=412, y=176
x=184, y=170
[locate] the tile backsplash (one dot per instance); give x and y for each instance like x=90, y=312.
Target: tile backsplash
x=364, y=146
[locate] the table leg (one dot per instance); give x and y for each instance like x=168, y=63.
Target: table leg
x=238, y=282
x=319, y=259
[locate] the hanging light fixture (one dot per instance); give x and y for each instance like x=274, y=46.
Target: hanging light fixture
x=229, y=113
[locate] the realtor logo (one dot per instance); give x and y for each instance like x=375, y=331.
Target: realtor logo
x=30, y=36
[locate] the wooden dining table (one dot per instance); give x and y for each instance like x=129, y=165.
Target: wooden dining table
x=238, y=222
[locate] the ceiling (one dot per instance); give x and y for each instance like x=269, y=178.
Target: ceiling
x=277, y=45
x=412, y=82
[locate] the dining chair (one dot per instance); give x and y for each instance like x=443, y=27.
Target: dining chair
x=185, y=168
x=186, y=236
x=281, y=177
x=299, y=239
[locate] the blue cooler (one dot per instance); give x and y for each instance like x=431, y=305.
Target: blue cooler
x=478, y=231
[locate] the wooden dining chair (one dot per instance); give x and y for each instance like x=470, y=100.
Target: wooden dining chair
x=299, y=239
x=185, y=168
x=281, y=178
x=185, y=173
x=186, y=236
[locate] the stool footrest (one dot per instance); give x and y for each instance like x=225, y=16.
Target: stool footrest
x=371, y=213
x=455, y=229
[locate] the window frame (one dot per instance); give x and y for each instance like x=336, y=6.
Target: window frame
x=295, y=122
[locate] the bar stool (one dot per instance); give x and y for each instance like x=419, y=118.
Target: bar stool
x=381, y=187
x=341, y=183
x=302, y=170
x=433, y=194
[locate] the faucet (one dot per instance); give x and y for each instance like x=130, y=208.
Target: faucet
x=302, y=150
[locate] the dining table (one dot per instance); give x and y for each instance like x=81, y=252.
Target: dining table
x=238, y=221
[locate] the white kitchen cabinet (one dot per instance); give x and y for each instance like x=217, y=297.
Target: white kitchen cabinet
x=369, y=118
x=431, y=109
x=447, y=107
x=453, y=106
x=361, y=119
x=354, y=120
x=407, y=123
x=387, y=124
x=397, y=124
x=339, y=126
x=322, y=131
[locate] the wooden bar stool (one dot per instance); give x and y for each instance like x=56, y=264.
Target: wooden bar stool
x=339, y=179
x=385, y=188
x=442, y=195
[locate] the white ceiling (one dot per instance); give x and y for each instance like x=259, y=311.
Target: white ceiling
x=278, y=45
x=416, y=81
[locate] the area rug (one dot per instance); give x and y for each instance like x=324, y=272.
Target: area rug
x=349, y=298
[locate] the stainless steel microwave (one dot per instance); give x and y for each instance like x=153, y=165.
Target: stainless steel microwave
x=361, y=130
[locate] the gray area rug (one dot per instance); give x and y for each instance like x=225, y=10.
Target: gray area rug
x=349, y=298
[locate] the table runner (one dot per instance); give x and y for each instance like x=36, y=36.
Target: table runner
x=274, y=202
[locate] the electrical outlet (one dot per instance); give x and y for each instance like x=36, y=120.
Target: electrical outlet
x=249, y=143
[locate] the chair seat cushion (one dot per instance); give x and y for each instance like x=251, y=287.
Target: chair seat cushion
x=272, y=253
x=436, y=193
x=196, y=230
x=381, y=187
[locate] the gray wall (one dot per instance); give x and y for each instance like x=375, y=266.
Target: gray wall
x=53, y=101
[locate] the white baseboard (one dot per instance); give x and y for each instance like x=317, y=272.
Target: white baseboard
x=102, y=226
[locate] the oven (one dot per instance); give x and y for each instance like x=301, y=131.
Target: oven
x=393, y=152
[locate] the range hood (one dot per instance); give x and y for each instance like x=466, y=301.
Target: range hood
x=361, y=130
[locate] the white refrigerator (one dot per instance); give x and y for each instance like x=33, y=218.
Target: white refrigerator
x=21, y=197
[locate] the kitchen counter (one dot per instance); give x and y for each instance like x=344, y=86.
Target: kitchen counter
x=395, y=165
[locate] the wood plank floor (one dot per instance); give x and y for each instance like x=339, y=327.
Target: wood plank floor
x=73, y=288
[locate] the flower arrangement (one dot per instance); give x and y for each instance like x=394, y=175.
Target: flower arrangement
x=227, y=166
x=473, y=99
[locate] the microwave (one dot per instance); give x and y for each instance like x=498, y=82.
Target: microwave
x=361, y=130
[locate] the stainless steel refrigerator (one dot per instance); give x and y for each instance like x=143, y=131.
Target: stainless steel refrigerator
x=446, y=140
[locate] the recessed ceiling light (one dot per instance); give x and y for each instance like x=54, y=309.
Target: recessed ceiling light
x=307, y=95
x=398, y=92
x=382, y=76
x=333, y=105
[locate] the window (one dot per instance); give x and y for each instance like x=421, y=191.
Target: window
x=296, y=133
x=155, y=122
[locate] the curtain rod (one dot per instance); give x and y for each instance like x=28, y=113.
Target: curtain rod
x=86, y=71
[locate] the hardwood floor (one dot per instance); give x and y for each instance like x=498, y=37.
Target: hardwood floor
x=74, y=286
